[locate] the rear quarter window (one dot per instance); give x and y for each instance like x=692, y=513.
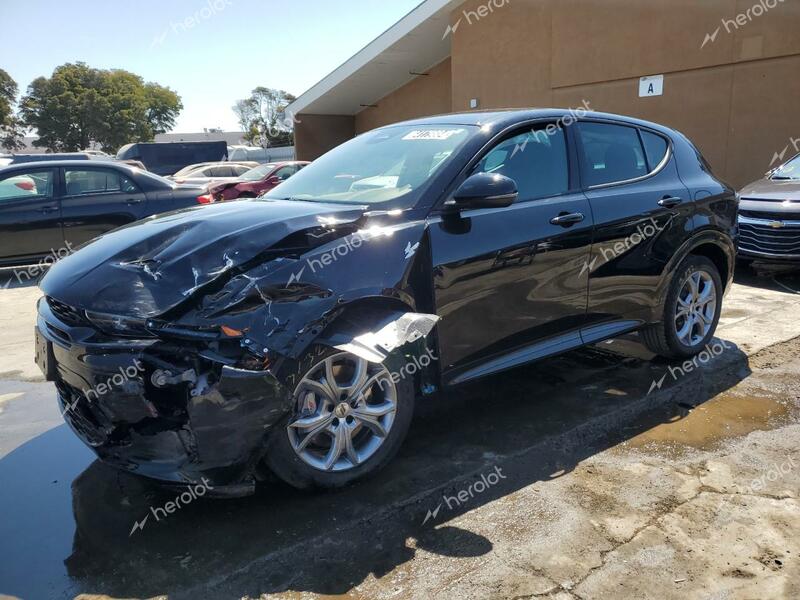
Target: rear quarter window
x=655, y=147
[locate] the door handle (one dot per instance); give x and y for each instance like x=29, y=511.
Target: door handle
x=567, y=220
x=49, y=209
x=670, y=201
x=134, y=201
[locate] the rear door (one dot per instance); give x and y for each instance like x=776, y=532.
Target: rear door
x=642, y=214
x=30, y=214
x=97, y=200
x=510, y=283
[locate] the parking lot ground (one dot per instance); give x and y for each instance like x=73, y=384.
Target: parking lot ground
x=595, y=474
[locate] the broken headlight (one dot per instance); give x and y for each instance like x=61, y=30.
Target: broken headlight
x=118, y=325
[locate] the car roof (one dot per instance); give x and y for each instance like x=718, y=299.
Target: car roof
x=68, y=163
x=502, y=118
x=82, y=164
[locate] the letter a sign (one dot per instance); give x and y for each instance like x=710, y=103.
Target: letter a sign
x=651, y=86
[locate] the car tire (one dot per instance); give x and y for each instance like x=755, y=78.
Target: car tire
x=665, y=338
x=309, y=467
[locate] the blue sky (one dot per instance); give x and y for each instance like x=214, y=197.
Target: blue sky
x=217, y=58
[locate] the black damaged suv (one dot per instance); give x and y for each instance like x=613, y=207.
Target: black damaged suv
x=295, y=331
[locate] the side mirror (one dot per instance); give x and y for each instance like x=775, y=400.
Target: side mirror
x=273, y=180
x=484, y=190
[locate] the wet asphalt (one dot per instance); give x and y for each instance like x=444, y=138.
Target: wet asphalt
x=68, y=524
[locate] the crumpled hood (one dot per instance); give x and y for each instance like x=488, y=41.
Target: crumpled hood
x=770, y=189
x=147, y=268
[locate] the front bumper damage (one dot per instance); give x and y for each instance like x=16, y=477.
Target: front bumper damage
x=181, y=412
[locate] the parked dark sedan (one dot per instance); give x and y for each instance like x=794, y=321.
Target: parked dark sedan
x=769, y=216
x=295, y=331
x=48, y=206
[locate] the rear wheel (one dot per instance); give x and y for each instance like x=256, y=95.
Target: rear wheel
x=348, y=419
x=691, y=311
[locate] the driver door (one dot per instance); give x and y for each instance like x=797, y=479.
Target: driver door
x=511, y=283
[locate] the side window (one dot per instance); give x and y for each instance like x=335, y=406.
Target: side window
x=33, y=184
x=127, y=185
x=91, y=181
x=612, y=153
x=285, y=172
x=655, y=147
x=536, y=160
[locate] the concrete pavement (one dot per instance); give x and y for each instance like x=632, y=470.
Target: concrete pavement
x=572, y=478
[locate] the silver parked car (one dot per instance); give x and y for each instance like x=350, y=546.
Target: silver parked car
x=769, y=215
x=204, y=173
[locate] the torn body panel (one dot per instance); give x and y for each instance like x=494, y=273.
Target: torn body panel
x=211, y=388
x=149, y=268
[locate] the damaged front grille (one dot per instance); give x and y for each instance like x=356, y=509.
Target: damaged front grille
x=67, y=314
x=74, y=408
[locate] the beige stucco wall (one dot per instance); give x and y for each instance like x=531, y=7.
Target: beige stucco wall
x=314, y=135
x=737, y=97
x=425, y=95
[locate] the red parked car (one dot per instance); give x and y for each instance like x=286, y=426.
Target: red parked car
x=256, y=181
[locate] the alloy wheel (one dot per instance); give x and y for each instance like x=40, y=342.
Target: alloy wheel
x=344, y=409
x=696, y=308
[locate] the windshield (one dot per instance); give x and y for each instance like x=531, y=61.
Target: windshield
x=258, y=173
x=378, y=166
x=790, y=170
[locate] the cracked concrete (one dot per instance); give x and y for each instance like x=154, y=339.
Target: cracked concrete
x=609, y=491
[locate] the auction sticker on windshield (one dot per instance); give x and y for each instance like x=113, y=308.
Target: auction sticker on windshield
x=432, y=134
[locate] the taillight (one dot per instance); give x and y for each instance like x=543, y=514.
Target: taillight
x=205, y=199
x=25, y=185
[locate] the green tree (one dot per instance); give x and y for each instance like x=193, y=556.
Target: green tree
x=10, y=126
x=263, y=117
x=79, y=105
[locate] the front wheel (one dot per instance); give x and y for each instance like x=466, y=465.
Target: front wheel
x=348, y=420
x=691, y=311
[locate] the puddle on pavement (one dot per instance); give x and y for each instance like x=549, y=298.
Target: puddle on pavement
x=726, y=416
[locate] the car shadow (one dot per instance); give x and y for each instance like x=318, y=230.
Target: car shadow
x=781, y=278
x=466, y=449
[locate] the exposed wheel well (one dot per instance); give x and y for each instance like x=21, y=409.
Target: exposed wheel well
x=716, y=255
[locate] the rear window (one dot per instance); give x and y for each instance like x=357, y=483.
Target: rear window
x=612, y=153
